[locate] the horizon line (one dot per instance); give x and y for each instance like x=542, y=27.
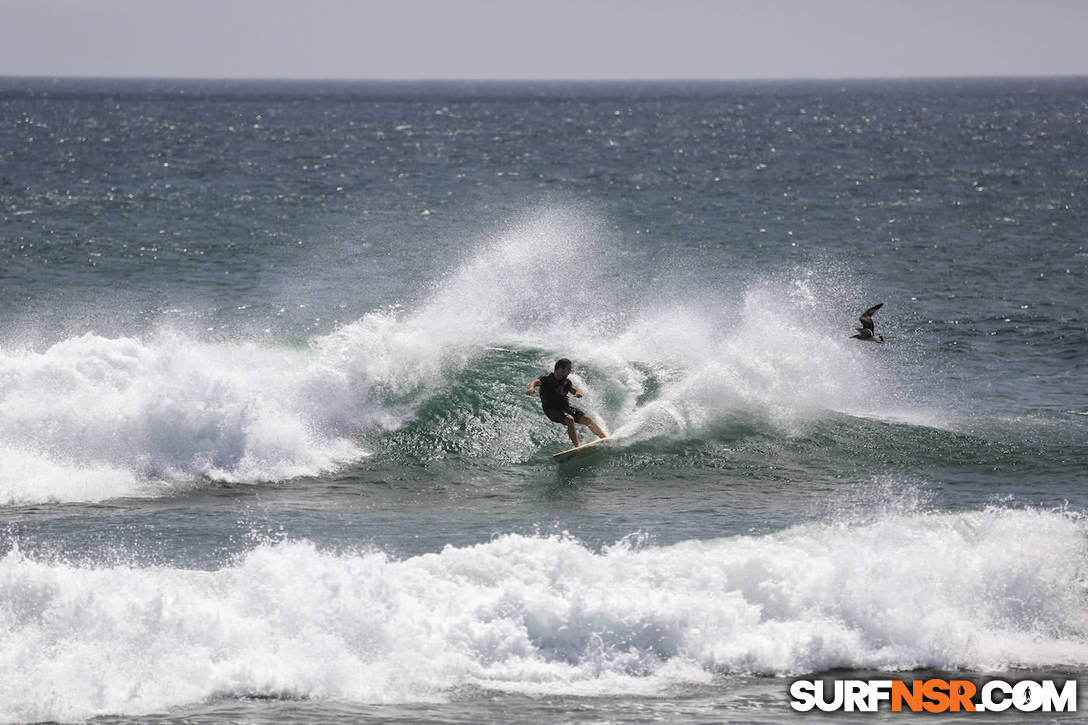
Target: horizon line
x=515, y=80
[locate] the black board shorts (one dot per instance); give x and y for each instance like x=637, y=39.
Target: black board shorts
x=557, y=414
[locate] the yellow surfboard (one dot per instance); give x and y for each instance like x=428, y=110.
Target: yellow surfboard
x=583, y=450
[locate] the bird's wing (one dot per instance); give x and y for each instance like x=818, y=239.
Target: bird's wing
x=867, y=316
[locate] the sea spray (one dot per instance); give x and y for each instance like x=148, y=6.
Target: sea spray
x=771, y=358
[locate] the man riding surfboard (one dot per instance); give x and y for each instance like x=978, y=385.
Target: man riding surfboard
x=554, y=388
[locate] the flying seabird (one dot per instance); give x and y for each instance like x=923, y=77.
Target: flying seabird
x=866, y=331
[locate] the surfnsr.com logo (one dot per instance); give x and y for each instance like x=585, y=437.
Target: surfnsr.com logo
x=933, y=695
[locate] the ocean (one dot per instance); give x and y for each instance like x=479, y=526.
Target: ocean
x=266, y=453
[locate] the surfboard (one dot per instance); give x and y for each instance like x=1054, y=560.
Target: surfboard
x=585, y=449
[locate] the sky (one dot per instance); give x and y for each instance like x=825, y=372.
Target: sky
x=543, y=39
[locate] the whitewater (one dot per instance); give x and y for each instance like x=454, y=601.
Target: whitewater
x=543, y=615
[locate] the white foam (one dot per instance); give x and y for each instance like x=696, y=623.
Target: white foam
x=30, y=476
x=544, y=615
x=94, y=417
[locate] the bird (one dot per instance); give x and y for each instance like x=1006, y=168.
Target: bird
x=866, y=331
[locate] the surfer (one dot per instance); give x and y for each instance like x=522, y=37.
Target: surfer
x=867, y=331
x=554, y=388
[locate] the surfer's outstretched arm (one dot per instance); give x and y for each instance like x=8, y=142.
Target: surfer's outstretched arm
x=532, y=386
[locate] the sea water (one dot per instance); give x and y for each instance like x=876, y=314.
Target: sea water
x=266, y=454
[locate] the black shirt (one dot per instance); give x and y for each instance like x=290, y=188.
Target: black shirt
x=553, y=392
